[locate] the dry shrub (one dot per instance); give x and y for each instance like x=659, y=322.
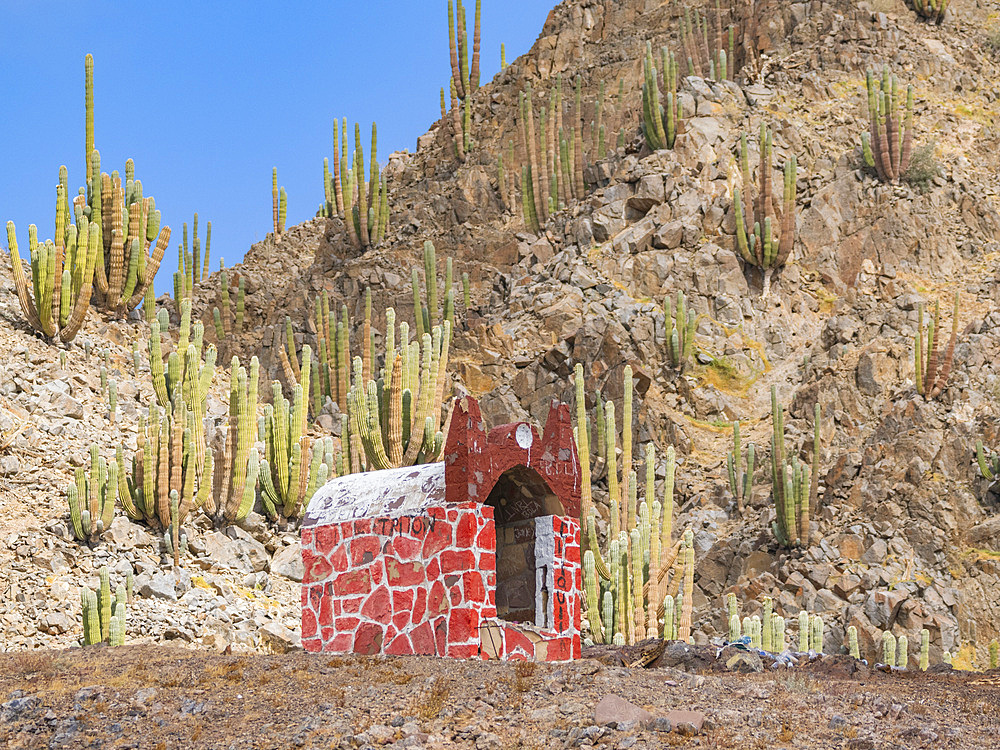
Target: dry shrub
x=428, y=703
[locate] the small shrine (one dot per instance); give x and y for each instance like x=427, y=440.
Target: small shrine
x=477, y=555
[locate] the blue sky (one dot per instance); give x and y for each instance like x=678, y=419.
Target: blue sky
x=207, y=97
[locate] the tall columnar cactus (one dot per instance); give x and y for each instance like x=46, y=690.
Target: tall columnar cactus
x=230, y=320
x=803, y=631
x=932, y=10
x=888, y=144
x=91, y=498
x=793, y=487
x=713, y=58
x=364, y=207
x=190, y=267
x=994, y=654
x=397, y=421
x=679, y=326
x=925, y=649
x=295, y=465
x=630, y=575
x=740, y=481
x=103, y=617
x=931, y=375
x=131, y=242
x=276, y=207
x=464, y=76
x=660, y=124
x=765, y=235
x=902, y=652
x=235, y=481
x=172, y=464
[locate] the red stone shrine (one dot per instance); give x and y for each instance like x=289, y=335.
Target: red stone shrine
x=474, y=556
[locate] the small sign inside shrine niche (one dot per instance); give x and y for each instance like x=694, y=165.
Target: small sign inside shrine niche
x=477, y=555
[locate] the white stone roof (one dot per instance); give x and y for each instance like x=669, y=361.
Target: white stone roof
x=405, y=491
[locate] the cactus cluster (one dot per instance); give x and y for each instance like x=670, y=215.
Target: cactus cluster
x=932, y=10
x=888, y=144
x=679, y=326
x=56, y=299
x=191, y=268
x=627, y=586
x=660, y=124
x=172, y=466
x=766, y=631
x=294, y=466
x=551, y=156
x=464, y=75
x=365, y=208
x=764, y=234
x=235, y=479
x=397, y=420
x=331, y=369
x=279, y=204
x=740, y=477
x=227, y=322
x=104, y=616
x=794, y=487
x=708, y=56
x=931, y=375
x=92, y=496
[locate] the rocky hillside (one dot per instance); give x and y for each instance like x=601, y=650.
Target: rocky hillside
x=907, y=532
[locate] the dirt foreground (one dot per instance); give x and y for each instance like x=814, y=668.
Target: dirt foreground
x=160, y=697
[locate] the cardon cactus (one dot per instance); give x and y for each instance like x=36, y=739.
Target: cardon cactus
x=888, y=144
x=103, y=617
x=794, y=487
x=631, y=574
x=679, y=326
x=931, y=375
x=92, y=498
x=803, y=631
x=660, y=124
x=172, y=465
x=464, y=75
x=994, y=654
x=816, y=634
x=932, y=10
x=235, y=480
x=765, y=234
x=294, y=465
x=740, y=481
x=364, y=207
x=713, y=58
x=925, y=648
x=56, y=299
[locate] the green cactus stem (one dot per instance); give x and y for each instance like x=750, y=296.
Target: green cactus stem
x=103, y=617
x=888, y=649
x=925, y=645
x=902, y=652
x=679, y=331
x=803, y=631
x=764, y=236
x=660, y=124
x=852, y=642
x=740, y=481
